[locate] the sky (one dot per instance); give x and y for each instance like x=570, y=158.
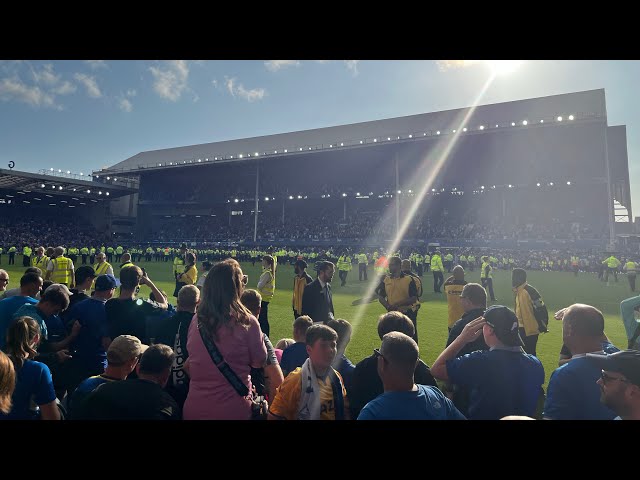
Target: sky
x=82, y=115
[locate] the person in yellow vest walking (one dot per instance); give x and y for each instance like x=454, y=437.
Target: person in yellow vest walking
x=12, y=255
x=437, y=268
x=399, y=292
x=119, y=251
x=60, y=269
x=612, y=264
x=92, y=255
x=40, y=260
x=631, y=268
x=26, y=255
x=453, y=289
x=266, y=288
x=301, y=280
x=486, y=276
x=102, y=267
x=363, y=263
x=110, y=254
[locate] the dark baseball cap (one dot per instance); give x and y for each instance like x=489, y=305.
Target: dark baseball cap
x=626, y=362
x=505, y=324
x=105, y=282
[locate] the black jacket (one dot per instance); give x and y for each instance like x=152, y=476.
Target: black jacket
x=314, y=302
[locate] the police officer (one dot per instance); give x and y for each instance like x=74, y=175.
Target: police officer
x=437, y=268
x=612, y=264
x=26, y=255
x=12, y=255
x=362, y=266
x=84, y=251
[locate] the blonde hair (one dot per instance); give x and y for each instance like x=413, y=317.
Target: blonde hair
x=7, y=382
x=285, y=343
x=271, y=262
x=220, y=302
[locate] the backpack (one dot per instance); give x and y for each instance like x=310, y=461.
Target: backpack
x=539, y=309
x=418, y=282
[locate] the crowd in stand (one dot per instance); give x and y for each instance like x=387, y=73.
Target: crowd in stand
x=54, y=231
x=332, y=225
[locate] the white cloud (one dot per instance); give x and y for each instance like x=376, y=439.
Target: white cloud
x=171, y=81
x=237, y=89
x=352, y=65
x=215, y=83
x=445, y=65
x=46, y=75
x=131, y=93
x=125, y=105
x=14, y=89
x=96, y=64
x=65, y=88
x=90, y=84
x=275, y=65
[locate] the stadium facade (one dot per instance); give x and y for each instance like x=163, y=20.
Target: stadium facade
x=550, y=158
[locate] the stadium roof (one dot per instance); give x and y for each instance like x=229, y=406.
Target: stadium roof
x=529, y=113
x=27, y=183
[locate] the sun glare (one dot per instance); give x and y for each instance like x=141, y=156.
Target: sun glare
x=503, y=67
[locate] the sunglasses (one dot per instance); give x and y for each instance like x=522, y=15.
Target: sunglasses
x=606, y=378
x=6, y=280
x=377, y=354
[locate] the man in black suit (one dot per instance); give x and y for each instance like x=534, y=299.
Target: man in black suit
x=317, y=300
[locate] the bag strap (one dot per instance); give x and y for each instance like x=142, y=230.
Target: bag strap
x=223, y=366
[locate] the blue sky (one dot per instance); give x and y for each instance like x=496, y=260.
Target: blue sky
x=84, y=115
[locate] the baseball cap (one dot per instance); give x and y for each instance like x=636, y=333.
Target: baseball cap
x=105, y=282
x=505, y=324
x=124, y=348
x=59, y=286
x=626, y=362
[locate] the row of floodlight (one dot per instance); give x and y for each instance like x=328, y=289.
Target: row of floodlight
x=59, y=187
x=454, y=190
x=559, y=118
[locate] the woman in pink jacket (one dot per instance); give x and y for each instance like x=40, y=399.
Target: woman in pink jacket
x=237, y=335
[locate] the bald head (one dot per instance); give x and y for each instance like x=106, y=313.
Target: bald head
x=58, y=251
x=406, y=265
x=126, y=257
x=458, y=272
x=584, y=320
